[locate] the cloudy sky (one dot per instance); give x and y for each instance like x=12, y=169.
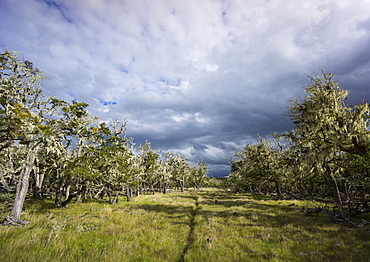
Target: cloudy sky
x=199, y=77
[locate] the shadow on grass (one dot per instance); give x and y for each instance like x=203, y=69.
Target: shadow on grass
x=40, y=206
x=179, y=196
x=43, y=206
x=226, y=195
x=161, y=208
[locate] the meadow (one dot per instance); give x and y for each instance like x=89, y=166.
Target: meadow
x=204, y=225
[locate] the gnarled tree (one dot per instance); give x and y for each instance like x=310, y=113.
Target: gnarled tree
x=22, y=119
x=329, y=136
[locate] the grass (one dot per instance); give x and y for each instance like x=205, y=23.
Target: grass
x=208, y=225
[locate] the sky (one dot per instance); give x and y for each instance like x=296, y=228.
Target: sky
x=198, y=77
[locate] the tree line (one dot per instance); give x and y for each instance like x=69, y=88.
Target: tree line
x=53, y=148
x=326, y=157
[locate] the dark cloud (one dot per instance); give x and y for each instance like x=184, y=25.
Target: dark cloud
x=202, y=78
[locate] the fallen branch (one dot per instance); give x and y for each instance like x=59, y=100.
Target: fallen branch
x=363, y=223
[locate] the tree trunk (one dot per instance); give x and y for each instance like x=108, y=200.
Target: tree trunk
x=152, y=189
x=67, y=189
x=278, y=190
x=4, y=184
x=59, y=190
x=82, y=191
x=68, y=200
x=129, y=193
x=182, y=185
x=333, y=186
x=39, y=179
x=22, y=189
x=115, y=199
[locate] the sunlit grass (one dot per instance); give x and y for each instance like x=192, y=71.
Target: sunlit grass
x=208, y=225
x=148, y=229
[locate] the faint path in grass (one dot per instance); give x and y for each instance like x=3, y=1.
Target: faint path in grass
x=191, y=238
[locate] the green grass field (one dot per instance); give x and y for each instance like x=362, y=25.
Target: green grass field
x=207, y=225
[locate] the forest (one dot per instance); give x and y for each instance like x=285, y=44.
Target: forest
x=84, y=194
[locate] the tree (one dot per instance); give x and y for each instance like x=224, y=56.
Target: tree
x=328, y=133
x=109, y=164
x=198, y=175
x=76, y=131
x=22, y=119
x=149, y=166
x=178, y=168
x=257, y=168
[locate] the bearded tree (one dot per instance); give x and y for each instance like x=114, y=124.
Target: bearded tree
x=199, y=176
x=77, y=131
x=258, y=167
x=327, y=134
x=108, y=165
x=23, y=122
x=149, y=166
x=178, y=167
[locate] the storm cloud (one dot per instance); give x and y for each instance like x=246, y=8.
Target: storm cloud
x=202, y=78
